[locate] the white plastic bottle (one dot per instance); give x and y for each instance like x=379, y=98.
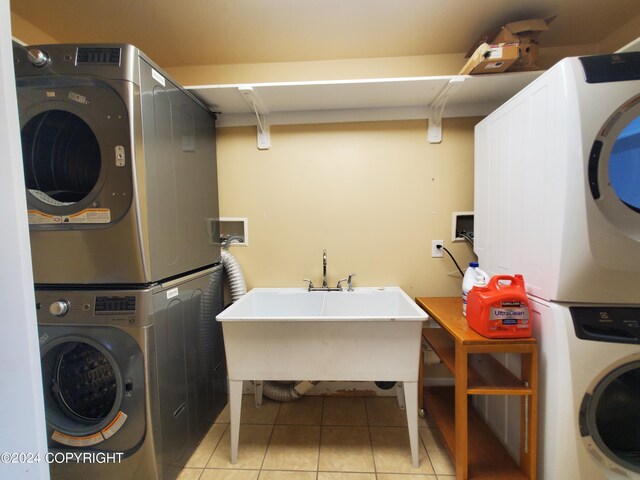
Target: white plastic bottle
x=473, y=276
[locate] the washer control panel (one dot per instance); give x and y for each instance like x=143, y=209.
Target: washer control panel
x=607, y=324
x=115, y=304
x=91, y=307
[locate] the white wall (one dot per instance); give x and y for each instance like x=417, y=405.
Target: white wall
x=22, y=422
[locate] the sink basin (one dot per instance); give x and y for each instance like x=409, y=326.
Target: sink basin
x=297, y=304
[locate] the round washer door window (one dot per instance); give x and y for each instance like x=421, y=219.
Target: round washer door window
x=614, y=169
x=61, y=158
x=83, y=390
x=610, y=419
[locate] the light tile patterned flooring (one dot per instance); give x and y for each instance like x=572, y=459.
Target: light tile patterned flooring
x=319, y=438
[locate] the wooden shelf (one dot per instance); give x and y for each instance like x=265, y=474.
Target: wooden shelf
x=443, y=345
x=486, y=376
x=476, y=451
x=488, y=459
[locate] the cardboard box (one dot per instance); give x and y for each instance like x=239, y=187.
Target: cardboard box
x=524, y=34
x=491, y=59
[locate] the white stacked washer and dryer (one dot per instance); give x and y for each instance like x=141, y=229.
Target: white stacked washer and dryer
x=557, y=199
x=121, y=178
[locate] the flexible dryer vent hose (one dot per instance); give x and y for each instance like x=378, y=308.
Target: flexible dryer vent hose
x=287, y=391
x=232, y=268
x=280, y=392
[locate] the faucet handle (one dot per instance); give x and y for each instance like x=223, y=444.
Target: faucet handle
x=339, y=285
x=310, y=283
x=349, y=282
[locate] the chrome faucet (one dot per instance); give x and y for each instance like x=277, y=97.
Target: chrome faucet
x=325, y=286
x=324, y=268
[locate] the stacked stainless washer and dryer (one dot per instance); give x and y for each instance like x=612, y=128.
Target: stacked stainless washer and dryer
x=120, y=170
x=557, y=198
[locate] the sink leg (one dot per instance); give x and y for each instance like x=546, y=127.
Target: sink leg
x=411, y=402
x=257, y=386
x=400, y=395
x=235, y=405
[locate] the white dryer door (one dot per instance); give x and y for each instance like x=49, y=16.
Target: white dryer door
x=614, y=168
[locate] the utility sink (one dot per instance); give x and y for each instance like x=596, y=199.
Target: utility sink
x=370, y=334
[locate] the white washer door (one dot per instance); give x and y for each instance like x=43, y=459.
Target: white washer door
x=614, y=169
x=610, y=420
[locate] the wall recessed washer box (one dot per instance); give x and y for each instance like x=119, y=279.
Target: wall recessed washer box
x=461, y=223
x=235, y=226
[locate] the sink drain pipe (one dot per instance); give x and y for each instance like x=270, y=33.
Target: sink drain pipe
x=280, y=392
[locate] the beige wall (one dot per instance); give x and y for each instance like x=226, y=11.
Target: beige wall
x=620, y=37
x=356, y=68
x=27, y=32
x=373, y=194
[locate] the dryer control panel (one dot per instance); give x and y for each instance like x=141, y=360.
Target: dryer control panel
x=616, y=67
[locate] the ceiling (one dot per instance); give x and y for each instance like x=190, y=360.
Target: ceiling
x=206, y=32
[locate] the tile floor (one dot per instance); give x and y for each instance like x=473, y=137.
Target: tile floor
x=319, y=438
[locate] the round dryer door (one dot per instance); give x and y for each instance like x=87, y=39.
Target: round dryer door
x=610, y=419
x=76, y=153
x=614, y=168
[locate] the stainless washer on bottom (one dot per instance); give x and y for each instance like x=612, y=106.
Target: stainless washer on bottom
x=131, y=377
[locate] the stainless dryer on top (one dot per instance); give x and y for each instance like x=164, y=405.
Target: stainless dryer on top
x=120, y=167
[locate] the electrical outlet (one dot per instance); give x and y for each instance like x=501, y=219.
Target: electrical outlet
x=435, y=251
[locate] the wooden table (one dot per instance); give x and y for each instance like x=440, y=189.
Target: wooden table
x=477, y=453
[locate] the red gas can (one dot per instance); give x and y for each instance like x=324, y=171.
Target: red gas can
x=500, y=309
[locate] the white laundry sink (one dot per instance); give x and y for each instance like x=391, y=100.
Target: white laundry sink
x=298, y=304
x=370, y=334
